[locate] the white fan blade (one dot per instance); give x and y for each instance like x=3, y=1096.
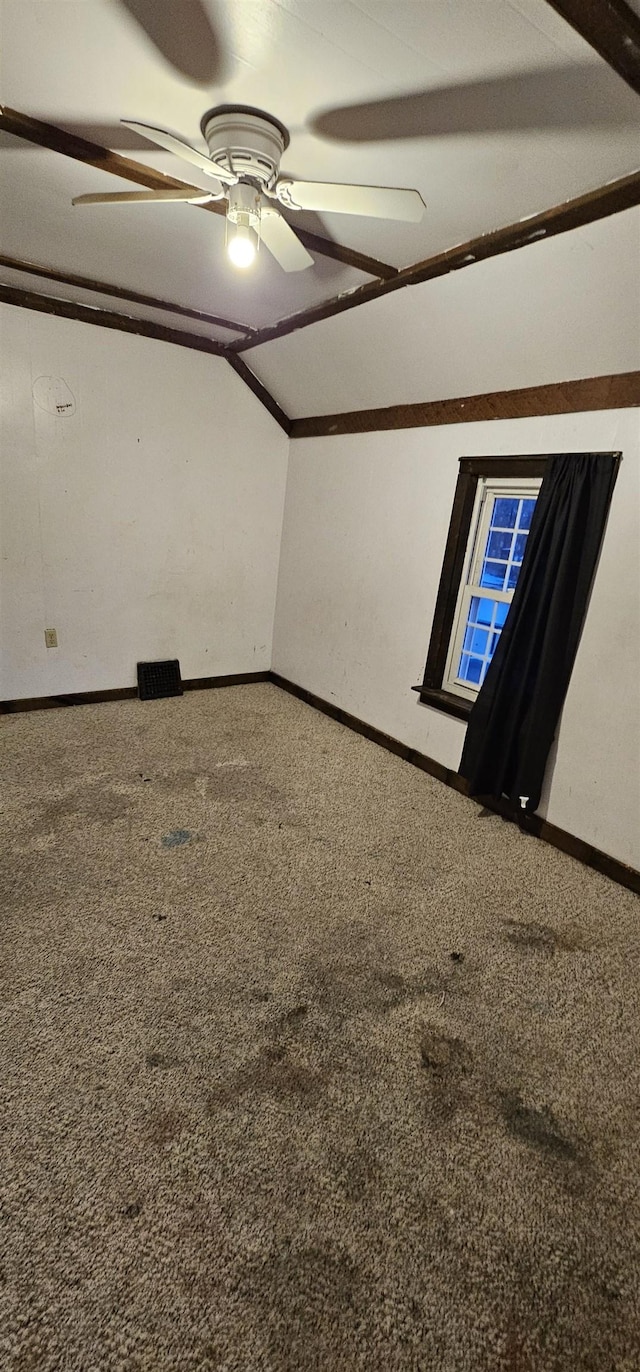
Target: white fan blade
x=378, y=202
x=180, y=148
x=283, y=243
x=146, y=197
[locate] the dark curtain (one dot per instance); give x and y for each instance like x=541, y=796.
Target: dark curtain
x=514, y=718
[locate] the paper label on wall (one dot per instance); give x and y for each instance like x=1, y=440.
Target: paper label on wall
x=52, y=394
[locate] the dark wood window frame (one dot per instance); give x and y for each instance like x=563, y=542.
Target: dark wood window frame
x=472, y=469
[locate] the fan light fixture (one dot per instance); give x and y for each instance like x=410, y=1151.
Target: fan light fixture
x=241, y=246
x=243, y=223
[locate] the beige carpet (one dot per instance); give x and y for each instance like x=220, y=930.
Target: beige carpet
x=304, y=1063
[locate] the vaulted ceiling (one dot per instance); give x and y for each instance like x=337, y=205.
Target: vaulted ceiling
x=494, y=111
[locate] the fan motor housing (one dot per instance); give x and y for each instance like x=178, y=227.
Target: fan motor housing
x=244, y=205
x=245, y=140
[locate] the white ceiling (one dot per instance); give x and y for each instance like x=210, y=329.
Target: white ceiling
x=554, y=123
x=556, y=310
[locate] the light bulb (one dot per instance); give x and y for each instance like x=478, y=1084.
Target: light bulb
x=242, y=246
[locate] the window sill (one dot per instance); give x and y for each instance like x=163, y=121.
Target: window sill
x=445, y=701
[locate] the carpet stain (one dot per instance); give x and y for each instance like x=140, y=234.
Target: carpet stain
x=292, y=1018
x=159, y=1060
x=132, y=1211
x=242, y=783
x=540, y=938
x=307, y=1300
x=93, y=801
x=273, y=1072
x=357, y=1171
x=447, y=1063
x=176, y=838
x=164, y=1126
x=518, y=1359
x=538, y=1128
x=351, y=988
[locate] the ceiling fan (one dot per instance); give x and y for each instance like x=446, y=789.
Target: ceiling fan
x=245, y=148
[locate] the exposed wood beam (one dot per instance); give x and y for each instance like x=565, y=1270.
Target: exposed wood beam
x=616, y=392
x=263, y=395
x=314, y=243
x=81, y=150
x=92, y=154
x=121, y=293
x=108, y=319
x=611, y=28
x=584, y=209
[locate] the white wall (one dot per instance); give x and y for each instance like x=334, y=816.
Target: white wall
x=145, y=525
x=366, y=520
x=556, y=310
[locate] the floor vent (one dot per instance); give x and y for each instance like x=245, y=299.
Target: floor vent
x=158, y=679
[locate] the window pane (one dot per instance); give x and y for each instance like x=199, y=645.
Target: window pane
x=519, y=547
x=505, y=513
x=499, y=544
x=481, y=610
x=473, y=670
x=475, y=641
x=526, y=513
x=514, y=572
x=486, y=618
x=493, y=575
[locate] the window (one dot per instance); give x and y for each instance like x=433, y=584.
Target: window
x=499, y=528
x=490, y=522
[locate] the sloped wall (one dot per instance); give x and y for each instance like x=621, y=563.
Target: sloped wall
x=556, y=310
x=365, y=527
x=141, y=522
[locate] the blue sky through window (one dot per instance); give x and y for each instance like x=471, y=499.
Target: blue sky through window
x=501, y=563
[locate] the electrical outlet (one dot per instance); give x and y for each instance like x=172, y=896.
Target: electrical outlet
x=51, y=638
